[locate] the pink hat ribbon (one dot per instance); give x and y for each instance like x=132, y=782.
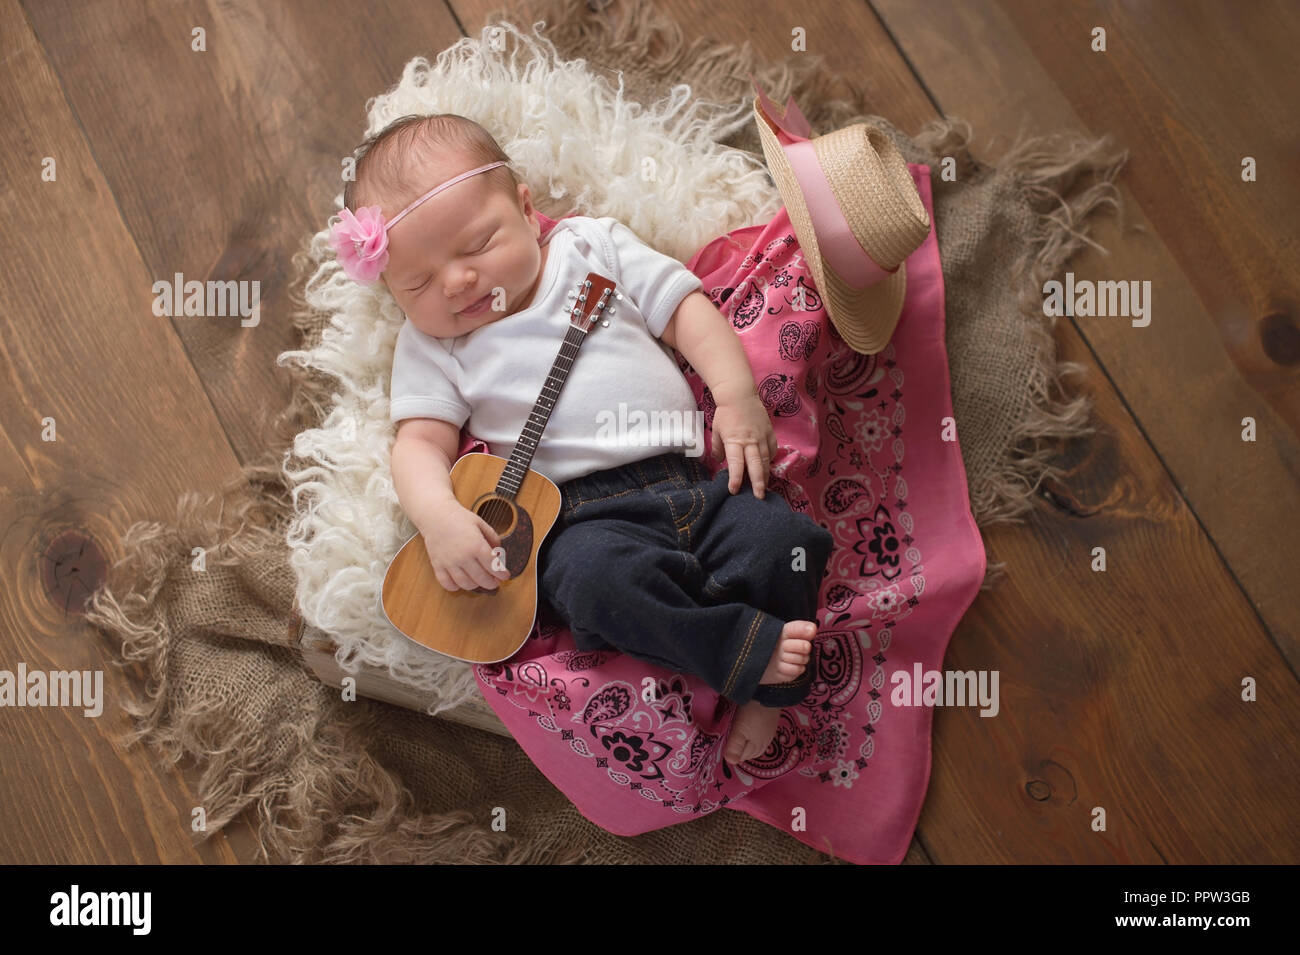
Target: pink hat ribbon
x=361, y=240
x=835, y=239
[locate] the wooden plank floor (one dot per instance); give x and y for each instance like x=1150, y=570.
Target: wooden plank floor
x=1121, y=690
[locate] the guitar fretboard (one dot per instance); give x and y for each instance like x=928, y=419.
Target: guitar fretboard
x=516, y=469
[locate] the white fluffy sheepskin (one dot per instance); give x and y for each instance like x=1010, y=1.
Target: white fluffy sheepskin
x=572, y=137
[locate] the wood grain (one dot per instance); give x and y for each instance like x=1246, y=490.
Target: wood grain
x=1220, y=253
x=223, y=161
x=1200, y=527
x=83, y=353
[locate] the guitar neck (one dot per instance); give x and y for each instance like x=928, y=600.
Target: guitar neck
x=512, y=477
x=582, y=318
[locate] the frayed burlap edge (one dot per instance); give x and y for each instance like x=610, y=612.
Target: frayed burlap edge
x=317, y=791
x=1064, y=178
x=303, y=800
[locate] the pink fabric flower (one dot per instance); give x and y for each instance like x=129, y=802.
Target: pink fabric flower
x=361, y=242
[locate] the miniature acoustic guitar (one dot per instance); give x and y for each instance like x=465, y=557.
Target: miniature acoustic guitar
x=488, y=625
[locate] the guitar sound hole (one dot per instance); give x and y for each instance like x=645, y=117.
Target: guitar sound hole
x=499, y=515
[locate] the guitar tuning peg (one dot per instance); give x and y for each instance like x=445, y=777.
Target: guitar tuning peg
x=604, y=323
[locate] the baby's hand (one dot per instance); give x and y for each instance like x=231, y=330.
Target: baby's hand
x=461, y=546
x=742, y=427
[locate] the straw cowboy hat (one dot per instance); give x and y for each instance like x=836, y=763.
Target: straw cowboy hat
x=852, y=190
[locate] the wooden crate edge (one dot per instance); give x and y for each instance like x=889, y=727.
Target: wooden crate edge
x=317, y=649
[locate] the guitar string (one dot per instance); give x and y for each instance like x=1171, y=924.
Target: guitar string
x=497, y=509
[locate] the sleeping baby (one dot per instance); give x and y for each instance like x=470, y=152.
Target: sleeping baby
x=649, y=555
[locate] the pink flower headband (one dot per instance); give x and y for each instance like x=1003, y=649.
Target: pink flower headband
x=361, y=240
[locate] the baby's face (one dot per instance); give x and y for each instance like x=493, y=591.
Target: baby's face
x=467, y=242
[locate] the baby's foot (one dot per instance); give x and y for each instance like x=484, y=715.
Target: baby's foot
x=751, y=732
x=792, y=652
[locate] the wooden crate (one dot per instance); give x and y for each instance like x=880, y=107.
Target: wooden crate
x=318, y=650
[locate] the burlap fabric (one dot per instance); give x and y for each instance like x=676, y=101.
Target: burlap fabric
x=335, y=781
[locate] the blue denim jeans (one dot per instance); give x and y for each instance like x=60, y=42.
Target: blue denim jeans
x=658, y=560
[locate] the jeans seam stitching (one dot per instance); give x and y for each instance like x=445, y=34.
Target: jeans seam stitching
x=609, y=497
x=744, y=653
x=572, y=508
x=687, y=524
x=677, y=523
x=697, y=496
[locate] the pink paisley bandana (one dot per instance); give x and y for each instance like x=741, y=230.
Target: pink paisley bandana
x=860, y=451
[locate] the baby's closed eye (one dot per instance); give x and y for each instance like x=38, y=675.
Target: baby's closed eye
x=481, y=248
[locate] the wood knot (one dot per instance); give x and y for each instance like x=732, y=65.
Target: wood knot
x=1040, y=790
x=1063, y=498
x=1057, y=783
x=72, y=568
x=1280, y=338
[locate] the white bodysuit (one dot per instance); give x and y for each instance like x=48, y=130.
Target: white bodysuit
x=625, y=398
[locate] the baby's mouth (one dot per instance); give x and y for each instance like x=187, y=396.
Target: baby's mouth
x=476, y=305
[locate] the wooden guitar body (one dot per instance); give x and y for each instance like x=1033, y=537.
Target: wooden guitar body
x=480, y=625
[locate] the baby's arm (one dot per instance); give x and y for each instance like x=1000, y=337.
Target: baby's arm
x=422, y=455
x=742, y=429
x=708, y=341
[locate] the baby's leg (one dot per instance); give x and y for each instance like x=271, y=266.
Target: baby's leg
x=761, y=553
x=626, y=581
x=755, y=723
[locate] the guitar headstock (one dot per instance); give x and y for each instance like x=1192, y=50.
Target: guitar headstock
x=594, y=286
